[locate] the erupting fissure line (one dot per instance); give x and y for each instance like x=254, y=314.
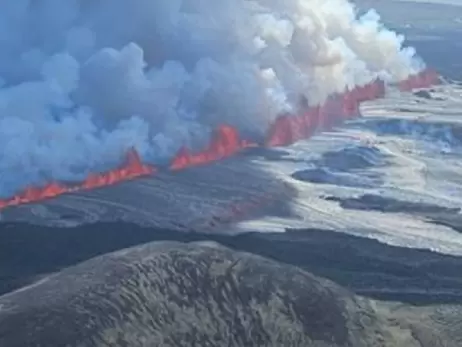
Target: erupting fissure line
x=225, y=142
x=286, y=130
x=132, y=168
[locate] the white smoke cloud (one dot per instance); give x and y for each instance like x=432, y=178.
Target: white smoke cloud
x=82, y=81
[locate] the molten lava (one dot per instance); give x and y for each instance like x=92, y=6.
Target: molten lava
x=423, y=79
x=288, y=129
x=132, y=168
x=226, y=141
x=280, y=132
x=350, y=104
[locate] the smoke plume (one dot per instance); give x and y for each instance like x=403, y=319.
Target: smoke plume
x=82, y=81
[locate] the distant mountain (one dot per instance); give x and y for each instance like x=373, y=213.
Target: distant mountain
x=201, y=294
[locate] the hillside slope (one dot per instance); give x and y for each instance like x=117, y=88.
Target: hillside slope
x=202, y=294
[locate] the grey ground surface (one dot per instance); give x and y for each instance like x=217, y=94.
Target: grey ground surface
x=202, y=294
x=198, y=197
x=173, y=294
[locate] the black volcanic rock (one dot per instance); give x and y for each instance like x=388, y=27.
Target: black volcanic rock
x=353, y=158
x=170, y=294
x=435, y=131
x=184, y=200
x=425, y=94
x=363, y=265
x=200, y=294
x=371, y=202
x=324, y=176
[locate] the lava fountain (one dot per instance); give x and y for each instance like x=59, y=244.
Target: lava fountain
x=132, y=168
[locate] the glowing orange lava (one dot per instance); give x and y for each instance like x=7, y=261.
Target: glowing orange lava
x=132, y=168
x=288, y=128
x=226, y=141
x=424, y=79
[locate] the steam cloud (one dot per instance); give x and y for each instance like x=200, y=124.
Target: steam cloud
x=82, y=81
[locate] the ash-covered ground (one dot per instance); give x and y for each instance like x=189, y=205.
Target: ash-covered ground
x=373, y=205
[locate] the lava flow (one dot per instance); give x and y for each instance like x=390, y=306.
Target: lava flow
x=132, y=168
x=423, y=79
x=287, y=129
x=225, y=143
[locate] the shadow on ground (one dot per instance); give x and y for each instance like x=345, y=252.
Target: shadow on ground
x=365, y=266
